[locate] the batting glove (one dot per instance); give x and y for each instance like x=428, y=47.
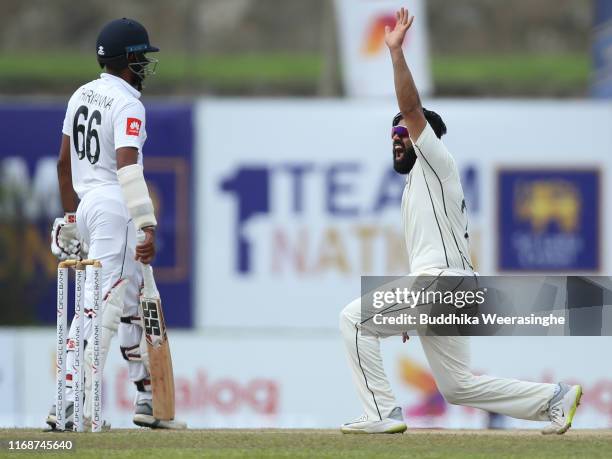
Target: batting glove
x=65, y=239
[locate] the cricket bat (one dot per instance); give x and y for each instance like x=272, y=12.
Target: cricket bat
x=160, y=360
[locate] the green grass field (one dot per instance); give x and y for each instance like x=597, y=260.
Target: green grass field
x=299, y=74
x=535, y=75
x=176, y=73
x=418, y=443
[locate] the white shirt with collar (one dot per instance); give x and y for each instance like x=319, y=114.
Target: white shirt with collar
x=434, y=211
x=102, y=116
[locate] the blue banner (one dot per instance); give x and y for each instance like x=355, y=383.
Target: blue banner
x=29, y=202
x=549, y=220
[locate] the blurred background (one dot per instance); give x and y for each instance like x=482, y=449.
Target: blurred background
x=269, y=161
x=290, y=48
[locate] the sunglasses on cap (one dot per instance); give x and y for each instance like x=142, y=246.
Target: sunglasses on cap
x=400, y=131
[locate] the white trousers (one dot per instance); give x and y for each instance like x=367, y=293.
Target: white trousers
x=449, y=359
x=104, y=223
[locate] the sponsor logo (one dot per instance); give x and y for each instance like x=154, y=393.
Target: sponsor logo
x=549, y=219
x=313, y=218
x=133, y=126
x=96, y=348
x=61, y=289
x=203, y=393
x=154, y=329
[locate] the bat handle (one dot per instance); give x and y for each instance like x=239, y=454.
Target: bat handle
x=140, y=236
x=149, y=289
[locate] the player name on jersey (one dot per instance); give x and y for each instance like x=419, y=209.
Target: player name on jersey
x=95, y=98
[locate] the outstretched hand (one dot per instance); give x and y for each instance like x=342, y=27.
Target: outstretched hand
x=395, y=38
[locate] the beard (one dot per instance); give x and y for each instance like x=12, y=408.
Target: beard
x=403, y=158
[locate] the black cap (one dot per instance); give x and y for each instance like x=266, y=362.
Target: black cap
x=122, y=36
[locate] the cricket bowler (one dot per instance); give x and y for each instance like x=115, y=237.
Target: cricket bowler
x=436, y=232
x=106, y=201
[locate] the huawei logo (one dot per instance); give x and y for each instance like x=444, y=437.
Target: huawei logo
x=133, y=126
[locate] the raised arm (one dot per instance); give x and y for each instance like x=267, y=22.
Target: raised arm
x=406, y=92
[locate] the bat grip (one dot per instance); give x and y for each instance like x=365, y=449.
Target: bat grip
x=140, y=236
x=149, y=289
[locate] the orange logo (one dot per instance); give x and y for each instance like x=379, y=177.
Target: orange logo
x=375, y=37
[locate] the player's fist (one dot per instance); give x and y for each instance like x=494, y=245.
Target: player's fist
x=395, y=38
x=145, y=250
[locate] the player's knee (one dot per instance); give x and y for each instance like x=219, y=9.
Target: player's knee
x=451, y=396
x=453, y=391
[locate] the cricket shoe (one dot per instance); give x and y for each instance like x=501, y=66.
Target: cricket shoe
x=143, y=417
x=562, y=409
x=394, y=423
x=52, y=417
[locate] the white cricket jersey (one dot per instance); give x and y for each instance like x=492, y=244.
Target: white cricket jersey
x=433, y=209
x=102, y=116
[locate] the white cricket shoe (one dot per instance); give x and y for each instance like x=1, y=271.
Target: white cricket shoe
x=394, y=423
x=143, y=417
x=562, y=409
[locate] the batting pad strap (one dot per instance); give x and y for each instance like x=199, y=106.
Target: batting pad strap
x=136, y=195
x=136, y=320
x=131, y=353
x=144, y=385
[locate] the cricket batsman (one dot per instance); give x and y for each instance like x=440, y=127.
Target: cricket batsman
x=106, y=201
x=436, y=232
